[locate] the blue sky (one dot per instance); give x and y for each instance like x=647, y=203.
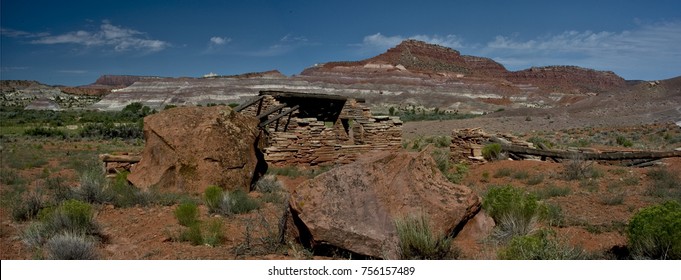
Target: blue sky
x=74, y=42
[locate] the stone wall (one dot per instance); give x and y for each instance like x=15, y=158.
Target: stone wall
x=309, y=141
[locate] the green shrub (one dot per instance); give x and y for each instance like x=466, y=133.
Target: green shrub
x=655, y=232
x=27, y=207
x=288, y=171
x=521, y=175
x=10, y=177
x=271, y=188
x=552, y=190
x=514, y=211
x=612, y=199
x=542, y=245
x=215, y=235
x=110, y=130
x=45, y=132
x=268, y=184
x=623, y=141
x=34, y=235
x=212, y=196
x=72, y=216
x=418, y=242
x=456, y=176
x=553, y=214
x=441, y=157
x=491, y=151
x=92, y=185
x=71, y=246
x=502, y=172
x=242, y=203
x=187, y=214
x=536, y=179
x=192, y=234
x=123, y=194
x=664, y=184
x=59, y=190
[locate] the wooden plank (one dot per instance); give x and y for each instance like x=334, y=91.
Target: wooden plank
x=270, y=111
x=247, y=104
x=277, y=117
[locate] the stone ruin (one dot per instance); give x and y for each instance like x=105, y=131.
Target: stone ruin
x=319, y=129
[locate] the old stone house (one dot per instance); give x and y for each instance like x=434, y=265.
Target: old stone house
x=319, y=129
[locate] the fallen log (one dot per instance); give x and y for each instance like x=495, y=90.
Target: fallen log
x=618, y=155
x=119, y=158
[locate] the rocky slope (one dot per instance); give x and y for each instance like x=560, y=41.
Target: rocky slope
x=411, y=75
x=39, y=96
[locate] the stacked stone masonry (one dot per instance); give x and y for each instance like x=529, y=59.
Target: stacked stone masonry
x=309, y=141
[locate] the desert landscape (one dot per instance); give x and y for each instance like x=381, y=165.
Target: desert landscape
x=420, y=152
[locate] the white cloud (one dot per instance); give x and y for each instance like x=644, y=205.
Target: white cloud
x=649, y=51
x=120, y=38
x=379, y=42
x=640, y=53
x=217, y=41
x=285, y=45
x=72, y=71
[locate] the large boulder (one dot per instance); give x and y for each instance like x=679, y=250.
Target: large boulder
x=354, y=207
x=187, y=149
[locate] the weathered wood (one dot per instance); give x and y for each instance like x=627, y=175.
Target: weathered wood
x=277, y=117
x=292, y=94
x=619, y=155
x=248, y=103
x=270, y=111
x=119, y=158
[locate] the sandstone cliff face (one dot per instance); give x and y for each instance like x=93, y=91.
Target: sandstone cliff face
x=120, y=81
x=570, y=79
x=189, y=149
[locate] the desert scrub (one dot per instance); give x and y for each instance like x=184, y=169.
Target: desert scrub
x=271, y=188
x=73, y=216
x=123, y=194
x=28, y=206
x=516, y=213
x=578, y=169
x=10, y=177
x=241, y=203
x=215, y=235
x=268, y=184
x=664, y=184
x=187, y=214
x=192, y=234
x=418, y=242
x=212, y=197
x=441, y=157
x=551, y=190
x=502, y=172
x=71, y=246
x=459, y=171
x=542, y=245
x=92, y=185
x=655, y=232
x=492, y=151
x=623, y=141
